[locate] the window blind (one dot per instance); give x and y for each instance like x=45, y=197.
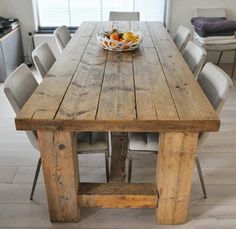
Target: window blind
x=53, y=13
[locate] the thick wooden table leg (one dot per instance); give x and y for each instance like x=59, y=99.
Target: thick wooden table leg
x=117, y=174
x=60, y=167
x=174, y=176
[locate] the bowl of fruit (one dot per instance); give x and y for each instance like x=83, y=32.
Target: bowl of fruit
x=119, y=41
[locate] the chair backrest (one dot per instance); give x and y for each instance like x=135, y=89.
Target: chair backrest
x=18, y=88
x=182, y=37
x=195, y=57
x=210, y=12
x=43, y=58
x=124, y=16
x=62, y=36
x=216, y=85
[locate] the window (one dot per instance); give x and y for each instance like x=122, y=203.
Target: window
x=53, y=13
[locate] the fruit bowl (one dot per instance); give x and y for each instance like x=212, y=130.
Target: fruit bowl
x=119, y=41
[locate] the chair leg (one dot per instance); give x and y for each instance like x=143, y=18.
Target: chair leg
x=201, y=177
x=109, y=143
x=221, y=53
x=107, y=165
x=130, y=168
x=234, y=65
x=35, y=178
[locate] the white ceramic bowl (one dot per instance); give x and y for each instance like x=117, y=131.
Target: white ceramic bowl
x=118, y=46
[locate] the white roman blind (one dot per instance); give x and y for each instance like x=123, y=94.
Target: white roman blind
x=53, y=13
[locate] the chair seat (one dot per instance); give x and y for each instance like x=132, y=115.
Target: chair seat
x=144, y=142
x=92, y=141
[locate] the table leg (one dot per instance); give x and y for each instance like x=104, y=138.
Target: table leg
x=60, y=167
x=117, y=174
x=174, y=176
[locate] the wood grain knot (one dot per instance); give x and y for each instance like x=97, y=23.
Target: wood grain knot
x=61, y=146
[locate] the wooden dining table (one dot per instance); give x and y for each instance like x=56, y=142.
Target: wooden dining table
x=150, y=89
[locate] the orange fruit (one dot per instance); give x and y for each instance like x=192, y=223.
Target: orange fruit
x=114, y=36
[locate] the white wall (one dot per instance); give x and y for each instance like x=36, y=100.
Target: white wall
x=23, y=10
x=183, y=11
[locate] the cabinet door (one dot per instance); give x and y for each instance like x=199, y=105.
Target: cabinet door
x=12, y=50
x=3, y=73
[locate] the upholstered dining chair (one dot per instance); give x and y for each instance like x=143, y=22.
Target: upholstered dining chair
x=182, y=37
x=43, y=58
x=216, y=85
x=220, y=48
x=62, y=36
x=124, y=16
x=18, y=88
x=195, y=57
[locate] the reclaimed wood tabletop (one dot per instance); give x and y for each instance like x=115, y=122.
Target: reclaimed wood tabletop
x=150, y=89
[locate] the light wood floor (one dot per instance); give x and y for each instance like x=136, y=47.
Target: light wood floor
x=17, y=166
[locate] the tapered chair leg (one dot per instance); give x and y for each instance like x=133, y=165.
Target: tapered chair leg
x=109, y=143
x=201, y=177
x=35, y=178
x=130, y=168
x=107, y=166
x=221, y=53
x=234, y=65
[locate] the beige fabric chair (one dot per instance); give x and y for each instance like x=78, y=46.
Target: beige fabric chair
x=217, y=12
x=43, y=58
x=182, y=38
x=216, y=84
x=62, y=36
x=18, y=88
x=124, y=16
x=195, y=57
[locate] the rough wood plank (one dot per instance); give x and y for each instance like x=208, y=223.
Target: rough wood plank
x=190, y=101
x=117, y=173
x=175, y=163
x=153, y=97
x=92, y=195
x=117, y=100
x=119, y=125
x=60, y=166
x=83, y=93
